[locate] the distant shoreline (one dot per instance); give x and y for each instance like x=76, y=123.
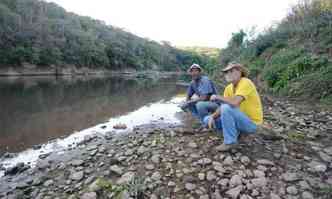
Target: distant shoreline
x=17, y=72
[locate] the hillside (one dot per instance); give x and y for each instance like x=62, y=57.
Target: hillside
x=293, y=57
x=37, y=33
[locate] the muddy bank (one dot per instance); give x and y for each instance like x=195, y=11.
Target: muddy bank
x=31, y=70
x=289, y=158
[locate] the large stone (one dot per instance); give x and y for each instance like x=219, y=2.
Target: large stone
x=116, y=169
x=325, y=157
x=211, y=175
x=77, y=175
x=77, y=163
x=307, y=195
x=274, y=196
x=235, y=181
x=292, y=190
x=259, y=182
x=291, y=177
x=190, y=186
x=228, y=160
x=235, y=192
x=245, y=160
x=127, y=177
x=156, y=176
x=90, y=195
x=315, y=166
x=192, y=145
x=328, y=150
x=48, y=183
x=265, y=162
x=155, y=159
x=204, y=161
x=149, y=167
x=258, y=173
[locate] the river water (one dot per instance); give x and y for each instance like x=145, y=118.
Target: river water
x=55, y=112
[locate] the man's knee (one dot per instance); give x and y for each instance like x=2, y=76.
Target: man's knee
x=226, y=108
x=201, y=106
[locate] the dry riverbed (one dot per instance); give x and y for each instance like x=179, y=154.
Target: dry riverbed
x=290, y=158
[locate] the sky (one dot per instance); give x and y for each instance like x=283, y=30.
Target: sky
x=183, y=22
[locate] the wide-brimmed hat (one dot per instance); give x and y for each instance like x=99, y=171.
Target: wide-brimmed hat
x=195, y=66
x=244, y=70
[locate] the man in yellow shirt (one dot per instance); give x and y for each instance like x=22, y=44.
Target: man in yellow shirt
x=241, y=110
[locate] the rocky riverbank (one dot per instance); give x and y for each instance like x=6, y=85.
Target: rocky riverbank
x=291, y=157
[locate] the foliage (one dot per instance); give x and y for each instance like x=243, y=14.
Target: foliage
x=43, y=34
x=293, y=56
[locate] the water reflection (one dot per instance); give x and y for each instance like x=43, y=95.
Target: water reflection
x=35, y=110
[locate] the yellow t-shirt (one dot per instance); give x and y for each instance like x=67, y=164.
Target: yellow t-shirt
x=251, y=105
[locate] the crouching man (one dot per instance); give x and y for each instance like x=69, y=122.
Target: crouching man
x=198, y=95
x=241, y=110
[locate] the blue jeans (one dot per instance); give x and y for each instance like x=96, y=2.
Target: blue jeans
x=232, y=122
x=202, y=109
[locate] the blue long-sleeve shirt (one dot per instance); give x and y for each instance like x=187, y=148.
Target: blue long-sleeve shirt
x=202, y=86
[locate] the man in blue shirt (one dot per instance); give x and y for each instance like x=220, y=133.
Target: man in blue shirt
x=198, y=95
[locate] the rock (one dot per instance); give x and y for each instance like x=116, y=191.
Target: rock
x=21, y=185
x=328, y=150
x=223, y=182
x=129, y=152
x=245, y=160
x=307, y=195
x=325, y=157
x=265, y=162
x=36, y=147
x=228, y=160
x=235, y=181
x=171, y=184
x=120, y=126
x=190, y=186
x=18, y=168
x=77, y=163
x=235, y=192
x=211, y=175
x=8, y=155
x=77, y=176
x=245, y=197
x=290, y=177
x=204, y=196
x=315, y=166
x=219, y=168
x=201, y=176
x=48, y=183
x=125, y=178
x=255, y=193
x=116, y=169
x=149, y=167
x=292, y=190
x=155, y=159
x=304, y=185
x=141, y=150
x=156, y=176
x=95, y=187
x=192, y=145
x=259, y=182
x=204, y=161
x=274, y=196
x=90, y=195
x=258, y=173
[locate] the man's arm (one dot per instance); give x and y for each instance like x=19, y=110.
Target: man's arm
x=234, y=101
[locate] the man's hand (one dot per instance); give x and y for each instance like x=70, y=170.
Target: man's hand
x=211, y=122
x=215, y=98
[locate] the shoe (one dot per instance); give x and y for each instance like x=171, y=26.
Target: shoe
x=225, y=147
x=202, y=129
x=246, y=138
